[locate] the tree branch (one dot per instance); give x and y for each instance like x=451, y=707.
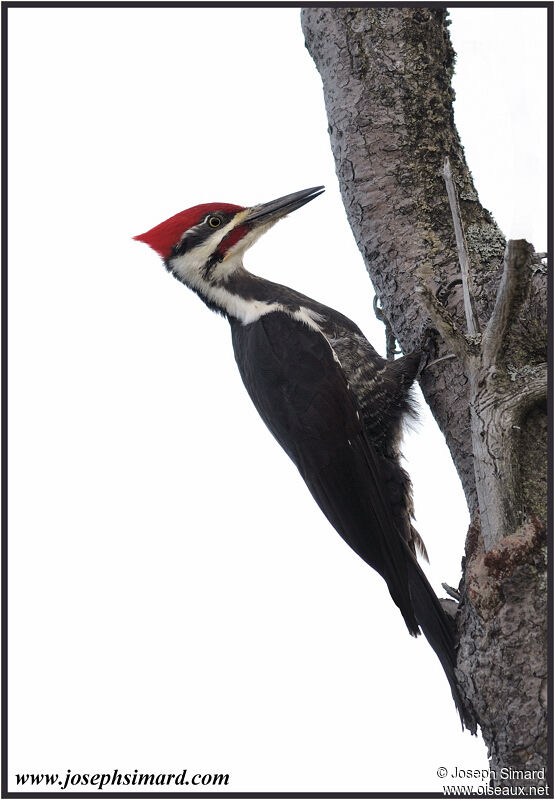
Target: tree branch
x=472, y=323
x=532, y=390
x=518, y=255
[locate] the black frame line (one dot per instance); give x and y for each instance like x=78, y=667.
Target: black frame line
x=547, y=4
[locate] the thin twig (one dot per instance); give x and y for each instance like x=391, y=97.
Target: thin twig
x=472, y=322
x=437, y=360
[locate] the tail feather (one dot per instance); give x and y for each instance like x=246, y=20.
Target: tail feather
x=439, y=630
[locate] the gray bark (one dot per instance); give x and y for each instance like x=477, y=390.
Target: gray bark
x=387, y=74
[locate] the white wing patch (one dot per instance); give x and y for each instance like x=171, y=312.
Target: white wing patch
x=308, y=317
x=313, y=319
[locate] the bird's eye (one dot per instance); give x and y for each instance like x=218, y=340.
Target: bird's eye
x=214, y=222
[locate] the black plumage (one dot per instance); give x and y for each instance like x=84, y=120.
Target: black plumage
x=343, y=440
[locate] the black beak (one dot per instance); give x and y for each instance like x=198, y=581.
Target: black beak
x=275, y=209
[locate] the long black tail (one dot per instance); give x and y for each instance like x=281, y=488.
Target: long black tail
x=439, y=630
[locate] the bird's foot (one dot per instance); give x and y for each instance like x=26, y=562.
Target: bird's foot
x=454, y=593
x=429, y=350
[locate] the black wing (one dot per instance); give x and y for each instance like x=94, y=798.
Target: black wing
x=302, y=395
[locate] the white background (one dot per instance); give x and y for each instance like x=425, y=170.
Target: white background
x=177, y=599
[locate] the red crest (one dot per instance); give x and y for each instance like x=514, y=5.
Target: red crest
x=164, y=236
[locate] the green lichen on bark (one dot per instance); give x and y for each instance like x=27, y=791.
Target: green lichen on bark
x=430, y=134
x=426, y=98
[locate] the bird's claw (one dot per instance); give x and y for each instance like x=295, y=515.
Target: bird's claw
x=454, y=593
x=428, y=348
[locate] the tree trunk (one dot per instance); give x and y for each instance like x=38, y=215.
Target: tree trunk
x=387, y=85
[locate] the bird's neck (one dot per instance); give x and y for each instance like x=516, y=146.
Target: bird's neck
x=237, y=294
x=229, y=289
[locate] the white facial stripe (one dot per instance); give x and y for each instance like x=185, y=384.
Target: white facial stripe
x=233, y=259
x=248, y=240
x=189, y=267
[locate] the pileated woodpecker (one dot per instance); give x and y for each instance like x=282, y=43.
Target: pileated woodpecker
x=334, y=405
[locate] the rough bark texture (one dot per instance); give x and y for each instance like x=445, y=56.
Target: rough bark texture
x=502, y=649
x=387, y=86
